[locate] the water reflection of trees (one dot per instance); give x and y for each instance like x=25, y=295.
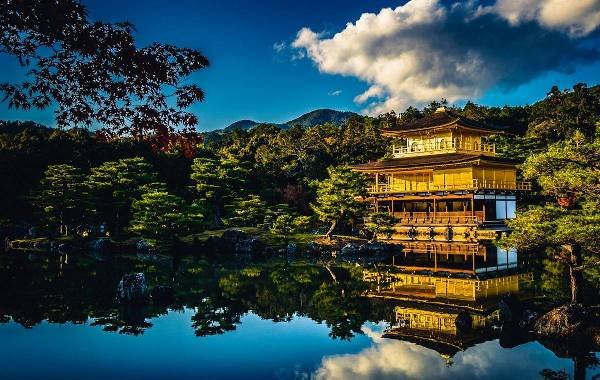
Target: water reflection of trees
x=81, y=290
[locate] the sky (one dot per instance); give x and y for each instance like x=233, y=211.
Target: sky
x=273, y=60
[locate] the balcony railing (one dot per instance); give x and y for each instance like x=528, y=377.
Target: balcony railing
x=443, y=147
x=419, y=187
x=439, y=217
x=444, y=248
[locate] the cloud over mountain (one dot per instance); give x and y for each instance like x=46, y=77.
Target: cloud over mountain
x=425, y=50
x=577, y=18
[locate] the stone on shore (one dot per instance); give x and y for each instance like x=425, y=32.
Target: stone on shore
x=133, y=289
x=562, y=322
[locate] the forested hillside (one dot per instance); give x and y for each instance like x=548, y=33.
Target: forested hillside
x=278, y=166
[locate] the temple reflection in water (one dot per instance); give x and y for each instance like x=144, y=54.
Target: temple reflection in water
x=445, y=296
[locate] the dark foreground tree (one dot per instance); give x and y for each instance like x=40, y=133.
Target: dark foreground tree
x=93, y=72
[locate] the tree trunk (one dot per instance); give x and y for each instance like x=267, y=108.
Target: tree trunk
x=333, y=277
x=62, y=225
x=575, y=264
x=579, y=368
x=117, y=222
x=333, y=225
x=217, y=221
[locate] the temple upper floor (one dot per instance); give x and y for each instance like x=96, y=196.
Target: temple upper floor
x=443, y=132
x=444, y=143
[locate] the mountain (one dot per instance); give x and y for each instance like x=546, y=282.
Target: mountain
x=12, y=127
x=242, y=124
x=322, y=116
x=310, y=119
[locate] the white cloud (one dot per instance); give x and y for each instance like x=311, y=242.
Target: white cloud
x=279, y=46
x=395, y=359
x=576, y=17
x=424, y=50
x=335, y=93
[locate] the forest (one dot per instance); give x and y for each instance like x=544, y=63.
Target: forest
x=75, y=179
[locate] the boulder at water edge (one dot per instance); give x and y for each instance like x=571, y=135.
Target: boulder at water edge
x=133, y=289
x=562, y=322
x=101, y=246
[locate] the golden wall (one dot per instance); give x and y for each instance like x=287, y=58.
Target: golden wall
x=495, y=175
x=459, y=178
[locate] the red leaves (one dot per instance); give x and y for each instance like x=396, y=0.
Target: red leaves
x=566, y=201
x=185, y=143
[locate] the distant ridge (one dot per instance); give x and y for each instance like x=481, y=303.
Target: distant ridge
x=309, y=119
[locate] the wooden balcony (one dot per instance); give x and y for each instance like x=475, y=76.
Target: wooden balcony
x=439, y=217
x=468, y=249
x=454, y=146
x=420, y=187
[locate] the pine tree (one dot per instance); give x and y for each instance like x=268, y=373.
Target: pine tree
x=161, y=217
x=246, y=212
x=217, y=182
x=62, y=196
x=339, y=197
x=569, y=173
x=114, y=185
x=381, y=223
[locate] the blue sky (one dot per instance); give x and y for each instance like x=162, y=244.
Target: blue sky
x=250, y=79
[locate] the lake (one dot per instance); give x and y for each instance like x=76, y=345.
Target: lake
x=274, y=319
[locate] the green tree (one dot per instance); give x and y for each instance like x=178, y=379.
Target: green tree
x=246, y=212
x=564, y=112
x=115, y=184
x=161, y=217
x=381, y=223
x=339, y=197
x=218, y=181
x=62, y=196
x=286, y=225
x=569, y=171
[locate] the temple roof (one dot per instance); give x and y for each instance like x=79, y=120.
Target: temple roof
x=442, y=118
x=445, y=344
x=434, y=160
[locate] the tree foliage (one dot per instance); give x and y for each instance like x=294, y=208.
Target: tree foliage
x=161, y=217
x=339, y=197
x=563, y=112
x=218, y=181
x=381, y=224
x=569, y=172
x=246, y=212
x=286, y=225
x=94, y=73
x=62, y=197
x=115, y=184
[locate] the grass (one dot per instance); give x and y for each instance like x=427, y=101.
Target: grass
x=300, y=239
x=266, y=236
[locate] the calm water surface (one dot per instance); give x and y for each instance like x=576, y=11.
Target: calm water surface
x=275, y=320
